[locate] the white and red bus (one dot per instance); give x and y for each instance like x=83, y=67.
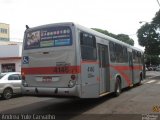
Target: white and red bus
x=66, y=59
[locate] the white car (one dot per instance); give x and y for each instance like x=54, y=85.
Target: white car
x=158, y=68
x=10, y=83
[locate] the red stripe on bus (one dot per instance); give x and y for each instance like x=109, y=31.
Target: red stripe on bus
x=89, y=62
x=77, y=70
x=126, y=77
x=137, y=67
x=121, y=70
x=52, y=70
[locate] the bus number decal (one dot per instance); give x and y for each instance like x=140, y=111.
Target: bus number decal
x=91, y=69
x=66, y=70
x=62, y=69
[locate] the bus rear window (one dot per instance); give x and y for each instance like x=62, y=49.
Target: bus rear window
x=48, y=37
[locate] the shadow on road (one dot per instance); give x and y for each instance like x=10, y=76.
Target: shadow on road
x=62, y=108
x=14, y=96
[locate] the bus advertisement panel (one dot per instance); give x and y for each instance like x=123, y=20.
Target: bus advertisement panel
x=48, y=37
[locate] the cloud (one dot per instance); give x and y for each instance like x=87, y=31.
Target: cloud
x=6, y=1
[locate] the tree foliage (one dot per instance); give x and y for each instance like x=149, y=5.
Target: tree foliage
x=125, y=38
x=122, y=37
x=152, y=60
x=149, y=37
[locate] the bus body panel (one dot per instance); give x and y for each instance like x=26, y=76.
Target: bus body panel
x=51, y=68
x=89, y=79
x=137, y=73
x=45, y=65
x=53, y=91
x=123, y=72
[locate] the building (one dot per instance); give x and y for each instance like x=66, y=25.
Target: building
x=10, y=52
x=10, y=58
x=4, y=32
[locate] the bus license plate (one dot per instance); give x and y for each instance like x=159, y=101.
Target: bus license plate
x=47, y=79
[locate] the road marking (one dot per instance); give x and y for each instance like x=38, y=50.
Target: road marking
x=153, y=76
x=151, y=81
x=158, y=82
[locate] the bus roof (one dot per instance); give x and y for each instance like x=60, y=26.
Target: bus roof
x=101, y=35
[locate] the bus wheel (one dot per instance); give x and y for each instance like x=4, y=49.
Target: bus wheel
x=140, y=80
x=117, y=87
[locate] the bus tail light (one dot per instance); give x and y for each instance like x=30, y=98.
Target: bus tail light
x=24, y=80
x=23, y=77
x=73, y=77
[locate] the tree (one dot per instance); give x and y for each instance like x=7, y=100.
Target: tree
x=105, y=32
x=152, y=60
x=125, y=38
x=149, y=37
x=121, y=37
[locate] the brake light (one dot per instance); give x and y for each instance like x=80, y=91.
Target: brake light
x=23, y=76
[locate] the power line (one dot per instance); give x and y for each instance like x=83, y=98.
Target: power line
x=158, y=3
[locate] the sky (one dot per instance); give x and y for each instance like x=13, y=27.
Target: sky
x=115, y=16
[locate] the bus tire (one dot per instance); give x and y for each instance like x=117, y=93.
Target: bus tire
x=117, y=87
x=140, y=79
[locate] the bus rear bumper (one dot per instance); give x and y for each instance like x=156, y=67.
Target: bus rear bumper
x=51, y=91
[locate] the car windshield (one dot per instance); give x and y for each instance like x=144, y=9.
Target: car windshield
x=1, y=75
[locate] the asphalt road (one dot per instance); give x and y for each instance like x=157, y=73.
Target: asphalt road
x=134, y=104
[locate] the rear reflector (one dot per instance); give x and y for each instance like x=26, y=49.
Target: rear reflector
x=73, y=77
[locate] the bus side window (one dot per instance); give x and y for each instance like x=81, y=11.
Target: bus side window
x=88, y=46
x=112, y=51
x=119, y=53
x=125, y=54
x=135, y=57
x=139, y=57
